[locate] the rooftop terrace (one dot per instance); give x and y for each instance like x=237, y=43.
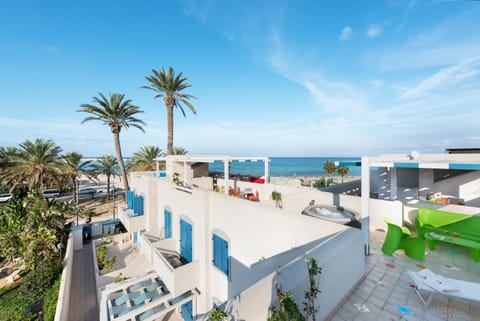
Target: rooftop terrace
x=387, y=291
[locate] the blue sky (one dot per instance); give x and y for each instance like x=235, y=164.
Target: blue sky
x=273, y=78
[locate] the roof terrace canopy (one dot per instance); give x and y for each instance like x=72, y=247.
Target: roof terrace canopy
x=470, y=161
x=190, y=159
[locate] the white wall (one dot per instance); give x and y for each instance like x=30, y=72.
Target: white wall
x=425, y=181
x=466, y=186
x=340, y=273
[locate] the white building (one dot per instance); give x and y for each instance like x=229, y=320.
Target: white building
x=205, y=247
x=209, y=248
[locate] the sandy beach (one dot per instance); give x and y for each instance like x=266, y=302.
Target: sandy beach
x=308, y=180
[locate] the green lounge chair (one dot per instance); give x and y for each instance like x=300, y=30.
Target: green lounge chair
x=399, y=237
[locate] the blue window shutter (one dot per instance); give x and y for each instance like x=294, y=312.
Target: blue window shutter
x=216, y=251
x=168, y=224
x=220, y=253
x=224, y=245
x=130, y=199
x=186, y=240
x=134, y=203
x=140, y=210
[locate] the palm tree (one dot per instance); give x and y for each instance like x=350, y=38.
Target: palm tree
x=108, y=166
x=343, y=171
x=35, y=160
x=179, y=151
x=144, y=159
x=329, y=168
x=74, y=168
x=115, y=112
x=169, y=86
x=9, y=177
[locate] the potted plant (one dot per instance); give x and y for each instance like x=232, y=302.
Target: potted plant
x=277, y=197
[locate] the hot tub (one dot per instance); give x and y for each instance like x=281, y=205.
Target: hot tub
x=336, y=214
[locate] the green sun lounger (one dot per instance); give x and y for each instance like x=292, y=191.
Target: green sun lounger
x=399, y=237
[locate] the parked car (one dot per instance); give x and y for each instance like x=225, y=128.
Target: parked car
x=51, y=193
x=5, y=197
x=87, y=190
x=116, y=191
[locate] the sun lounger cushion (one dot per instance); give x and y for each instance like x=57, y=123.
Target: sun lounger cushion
x=436, y=282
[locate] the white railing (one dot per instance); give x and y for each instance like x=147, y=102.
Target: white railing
x=177, y=280
x=63, y=303
x=133, y=223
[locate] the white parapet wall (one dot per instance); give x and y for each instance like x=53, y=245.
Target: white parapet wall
x=63, y=303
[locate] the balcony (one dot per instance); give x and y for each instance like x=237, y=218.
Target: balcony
x=132, y=222
x=178, y=275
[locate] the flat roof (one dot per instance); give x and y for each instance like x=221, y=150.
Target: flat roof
x=462, y=150
x=209, y=158
x=469, y=161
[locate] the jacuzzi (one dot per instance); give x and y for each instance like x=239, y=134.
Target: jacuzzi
x=336, y=214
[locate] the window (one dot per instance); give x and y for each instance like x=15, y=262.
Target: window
x=220, y=253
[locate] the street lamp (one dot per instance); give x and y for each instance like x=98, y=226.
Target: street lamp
x=113, y=201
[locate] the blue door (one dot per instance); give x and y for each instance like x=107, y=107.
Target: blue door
x=168, y=224
x=186, y=240
x=187, y=311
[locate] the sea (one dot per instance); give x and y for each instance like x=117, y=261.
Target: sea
x=282, y=166
x=286, y=166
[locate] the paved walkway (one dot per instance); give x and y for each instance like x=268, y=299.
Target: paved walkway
x=83, y=294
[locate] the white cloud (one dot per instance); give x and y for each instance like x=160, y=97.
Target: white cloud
x=374, y=31
x=446, y=77
x=226, y=123
x=346, y=33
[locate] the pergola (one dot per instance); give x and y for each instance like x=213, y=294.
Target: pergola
x=190, y=159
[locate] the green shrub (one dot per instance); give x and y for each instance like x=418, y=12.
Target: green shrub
x=108, y=265
x=50, y=299
x=101, y=250
x=216, y=314
x=120, y=278
x=37, y=281
x=35, y=285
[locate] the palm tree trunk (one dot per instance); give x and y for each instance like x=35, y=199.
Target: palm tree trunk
x=118, y=151
x=40, y=178
x=170, y=129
